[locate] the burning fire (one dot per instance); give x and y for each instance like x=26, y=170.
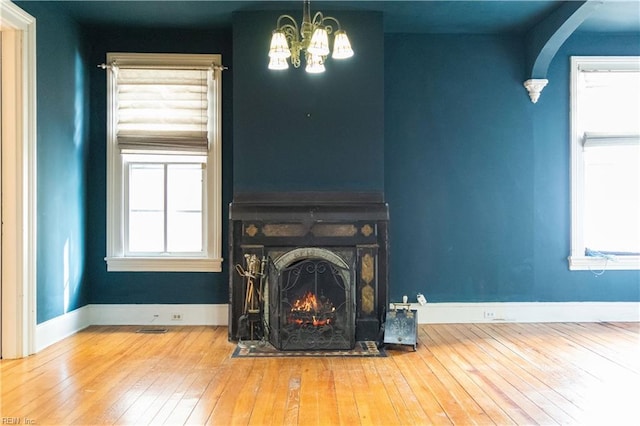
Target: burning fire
x=308, y=310
x=309, y=303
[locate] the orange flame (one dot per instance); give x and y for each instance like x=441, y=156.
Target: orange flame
x=308, y=303
x=316, y=312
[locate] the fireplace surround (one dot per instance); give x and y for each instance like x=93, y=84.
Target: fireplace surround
x=324, y=283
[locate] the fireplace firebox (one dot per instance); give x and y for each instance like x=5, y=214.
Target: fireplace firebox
x=311, y=301
x=323, y=280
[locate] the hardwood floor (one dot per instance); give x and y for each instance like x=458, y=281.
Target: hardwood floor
x=552, y=373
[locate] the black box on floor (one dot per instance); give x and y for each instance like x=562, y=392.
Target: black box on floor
x=400, y=327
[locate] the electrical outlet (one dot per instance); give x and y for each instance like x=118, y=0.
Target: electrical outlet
x=176, y=317
x=421, y=299
x=489, y=315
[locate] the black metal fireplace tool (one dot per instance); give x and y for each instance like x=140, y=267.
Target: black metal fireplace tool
x=251, y=323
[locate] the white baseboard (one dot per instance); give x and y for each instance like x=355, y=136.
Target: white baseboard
x=58, y=328
x=442, y=313
x=159, y=314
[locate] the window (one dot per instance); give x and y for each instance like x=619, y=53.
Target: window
x=164, y=162
x=605, y=151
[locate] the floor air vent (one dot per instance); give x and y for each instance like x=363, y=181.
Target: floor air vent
x=152, y=330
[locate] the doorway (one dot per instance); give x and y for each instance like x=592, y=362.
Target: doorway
x=1, y=199
x=18, y=183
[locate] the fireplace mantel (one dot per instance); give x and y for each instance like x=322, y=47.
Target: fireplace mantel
x=317, y=206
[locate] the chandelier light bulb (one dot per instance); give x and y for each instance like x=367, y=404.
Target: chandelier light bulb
x=278, y=64
x=319, y=44
x=315, y=64
x=279, y=45
x=341, y=46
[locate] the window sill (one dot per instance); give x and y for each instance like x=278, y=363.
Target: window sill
x=157, y=264
x=616, y=263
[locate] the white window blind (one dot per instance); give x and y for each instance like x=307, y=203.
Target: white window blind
x=596, y=139
x=162, y=109
x=609, y=104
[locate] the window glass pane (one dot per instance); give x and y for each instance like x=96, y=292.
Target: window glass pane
x=184, y=232
x=146, y=232
x=146, y=187
x=146, y=208
x=609, y=102
x=612, y=199
x=185, y=186
x=184, y=207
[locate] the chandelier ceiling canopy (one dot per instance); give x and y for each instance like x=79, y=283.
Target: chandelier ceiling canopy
x=289, y=41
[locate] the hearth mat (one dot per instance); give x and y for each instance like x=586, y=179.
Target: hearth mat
x=252, y=349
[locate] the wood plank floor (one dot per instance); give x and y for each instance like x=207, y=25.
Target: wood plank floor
x=552, y=373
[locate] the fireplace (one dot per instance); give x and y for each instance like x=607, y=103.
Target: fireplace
x=319, y=263
x=312, y=300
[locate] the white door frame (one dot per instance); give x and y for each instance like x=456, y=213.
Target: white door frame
x=18, y=181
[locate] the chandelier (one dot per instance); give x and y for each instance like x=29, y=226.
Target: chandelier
x=288, y=41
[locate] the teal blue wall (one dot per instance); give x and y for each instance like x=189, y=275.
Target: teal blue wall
x=295, y=131
x=459, y=178
x=477, y=177
x=62, y=140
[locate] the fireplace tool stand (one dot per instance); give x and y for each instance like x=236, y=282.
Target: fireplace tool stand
x=251, y=323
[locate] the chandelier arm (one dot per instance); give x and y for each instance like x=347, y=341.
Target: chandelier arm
x=329, y=28
x=290, y=28
x=290, y=18
x=290, y=32
x=318, y=18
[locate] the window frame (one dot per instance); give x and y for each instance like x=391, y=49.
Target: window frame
x=210, y=260
x=577, y=258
